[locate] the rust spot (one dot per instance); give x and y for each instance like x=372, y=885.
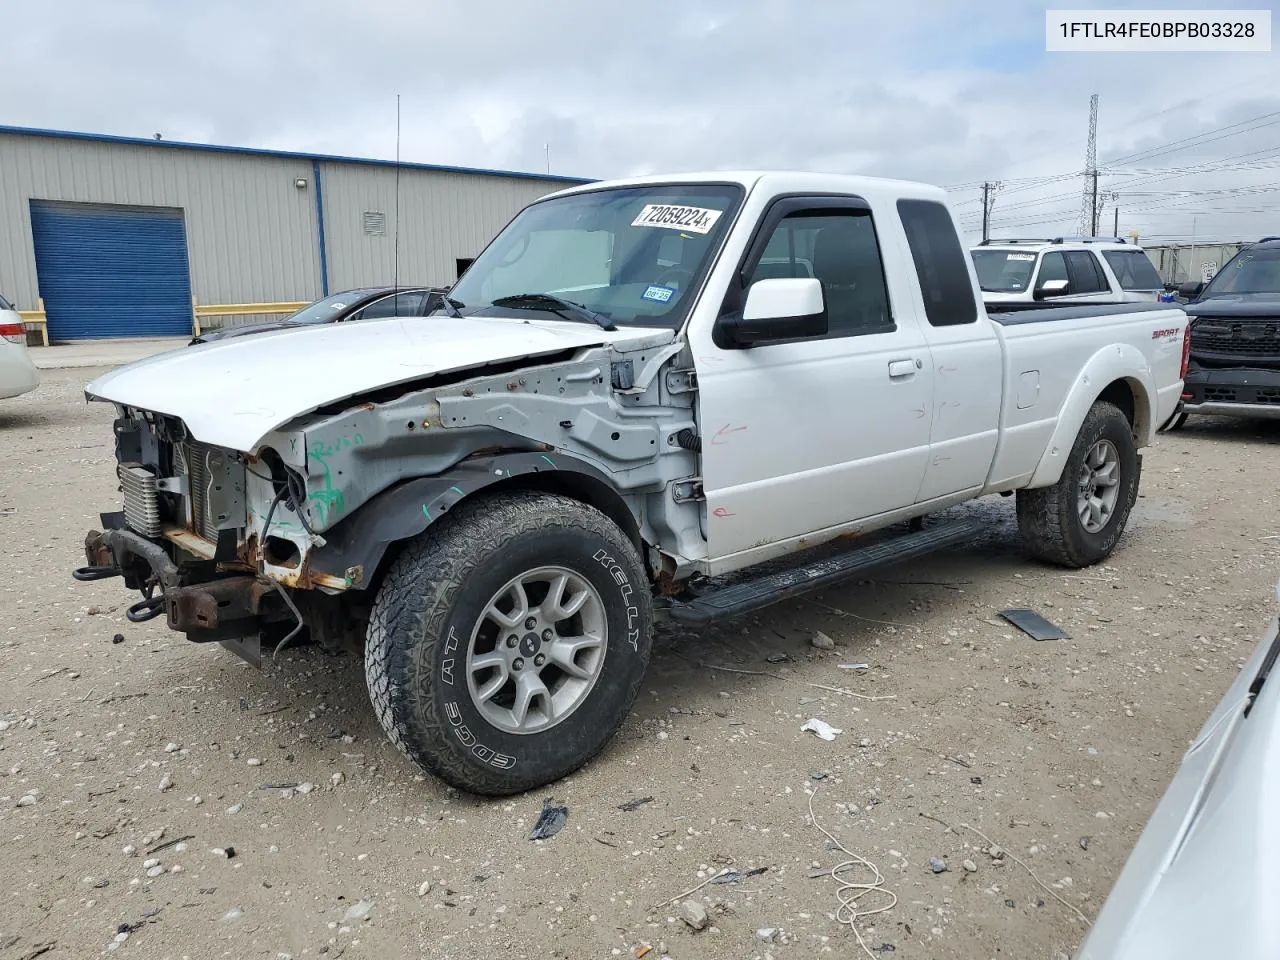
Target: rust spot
x=512, y=385
x=667, y=585
x=365, y=407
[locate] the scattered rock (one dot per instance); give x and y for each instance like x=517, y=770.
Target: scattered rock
x=694, y=914
x=996, y=852
x=1084, y=842
x=820, y=641
x=969, y=866
x=155, y=871
x=254, y=762
x=937, y=865
x=166, y=783
x=129, y=850
x=152, y=862
x=171, y=748
x=27, y=800
x=118, y=638
x=337, y=778
x=424, y=888
x=235, y=913
x=180, y=848
x=305, y=788
x=767, y=934
x=358, y=911
x=235, y=808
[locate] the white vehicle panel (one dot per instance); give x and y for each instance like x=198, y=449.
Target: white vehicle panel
x=231, y=393
x=18, y=375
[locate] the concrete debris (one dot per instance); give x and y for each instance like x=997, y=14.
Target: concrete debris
x=694, y=914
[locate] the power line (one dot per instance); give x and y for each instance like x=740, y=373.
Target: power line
x=1185, y=143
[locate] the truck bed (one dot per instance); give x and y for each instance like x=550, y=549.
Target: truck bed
x=1009, y=314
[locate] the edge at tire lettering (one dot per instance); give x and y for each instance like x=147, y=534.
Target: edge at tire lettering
x=620, y=578
x=468, y=739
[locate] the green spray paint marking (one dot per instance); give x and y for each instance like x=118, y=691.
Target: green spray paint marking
x=548, y=459
x=329, y=499
x=457, y=491
x=426, y=511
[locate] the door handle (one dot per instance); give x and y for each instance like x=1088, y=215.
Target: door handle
x=903, y=368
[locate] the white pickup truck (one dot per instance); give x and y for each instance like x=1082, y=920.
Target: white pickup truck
x=638, y=387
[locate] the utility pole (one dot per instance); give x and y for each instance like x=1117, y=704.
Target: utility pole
x=1089, y=208
x=989, y=190
x=1115, y=225
x=1093, y=218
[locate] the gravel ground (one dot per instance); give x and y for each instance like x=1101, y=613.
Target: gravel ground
x=283, y=812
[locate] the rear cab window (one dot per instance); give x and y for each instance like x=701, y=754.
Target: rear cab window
x=1133, y=269
x=5, y=304
x=940, y=262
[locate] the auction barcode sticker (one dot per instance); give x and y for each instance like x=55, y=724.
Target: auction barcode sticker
x=1135, y=31
x=692, y=219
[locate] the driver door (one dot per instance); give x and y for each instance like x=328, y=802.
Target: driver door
x=804, y=435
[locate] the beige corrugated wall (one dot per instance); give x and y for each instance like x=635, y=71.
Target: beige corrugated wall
x=252, y=234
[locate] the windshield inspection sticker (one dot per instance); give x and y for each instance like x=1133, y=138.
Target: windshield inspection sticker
x=1021, y=256
x=693, y=219
x=660, y=294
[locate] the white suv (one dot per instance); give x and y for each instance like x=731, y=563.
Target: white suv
x=1065, y=270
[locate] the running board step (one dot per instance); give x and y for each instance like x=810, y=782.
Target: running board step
x=751, y=595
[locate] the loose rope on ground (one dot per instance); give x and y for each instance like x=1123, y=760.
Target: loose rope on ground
x=848, y=914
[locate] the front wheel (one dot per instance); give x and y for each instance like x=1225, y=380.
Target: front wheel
x=1078, y=521
x=508, y=641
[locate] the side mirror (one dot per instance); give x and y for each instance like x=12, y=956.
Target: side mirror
x=784, y=308
x=1052, y=288
x=1191, y=289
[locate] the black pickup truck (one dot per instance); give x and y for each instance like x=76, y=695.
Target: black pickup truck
x=1235, y=338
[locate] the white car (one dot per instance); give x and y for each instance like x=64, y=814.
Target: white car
x=1201, y=881
x=18, y=374
x=1064, y=270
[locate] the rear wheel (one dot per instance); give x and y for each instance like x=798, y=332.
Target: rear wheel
x=508, y=641
x=1078, y=521
x=1176, y=422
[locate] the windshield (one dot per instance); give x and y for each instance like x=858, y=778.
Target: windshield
x=634, y=255
x=1133, y=269
x=1250, y=271
x=322, y=311
x=1003, y=271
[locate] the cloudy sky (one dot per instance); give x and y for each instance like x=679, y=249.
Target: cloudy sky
x=949, y=91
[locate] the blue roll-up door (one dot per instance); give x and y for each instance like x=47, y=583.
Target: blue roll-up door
x=109, y=271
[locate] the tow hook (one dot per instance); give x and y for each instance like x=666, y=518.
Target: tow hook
x=147, y=609
x=86, y=574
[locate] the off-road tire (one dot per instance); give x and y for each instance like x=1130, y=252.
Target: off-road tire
x=1176, y=422
x=1048, y=517
x=440, y=583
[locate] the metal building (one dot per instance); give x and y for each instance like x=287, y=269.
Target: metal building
x=104, y=236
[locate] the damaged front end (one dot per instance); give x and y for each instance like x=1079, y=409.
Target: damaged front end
x=184, y=537
x=250, y=548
